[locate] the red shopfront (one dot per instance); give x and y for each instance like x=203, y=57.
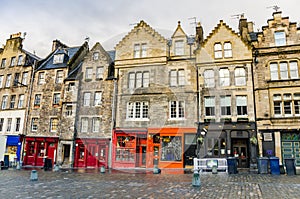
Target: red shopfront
x=129, y=148
x=39, y=148
x=91, y=152
x=167, y=147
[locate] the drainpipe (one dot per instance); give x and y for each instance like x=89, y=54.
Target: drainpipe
x=113, y=120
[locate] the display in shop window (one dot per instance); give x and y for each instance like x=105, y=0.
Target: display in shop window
x=171, y=148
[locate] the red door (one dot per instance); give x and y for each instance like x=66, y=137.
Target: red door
x=91, y=158
x=51, y=152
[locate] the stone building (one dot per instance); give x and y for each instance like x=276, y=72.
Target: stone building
x=16, y=70
x=156, y=97
x=46, y=131
x=277, y=87
x=226, y=103
x=94, y=109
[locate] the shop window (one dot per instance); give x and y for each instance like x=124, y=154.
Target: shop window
x=102, y=154
x=41, y=149
x=30, y=151
x=125, y=148
x=213, y=147
x=81, y=152
x=171, y=148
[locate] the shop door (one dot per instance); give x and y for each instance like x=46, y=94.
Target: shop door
x=240, y=151
x=141, y=156
x=51, y=152
x=66, y=152
x=91, y=159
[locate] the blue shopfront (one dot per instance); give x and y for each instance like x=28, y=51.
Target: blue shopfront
x=13, y=150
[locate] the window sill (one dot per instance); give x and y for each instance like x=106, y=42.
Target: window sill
x=176, y=119
x=136, y=120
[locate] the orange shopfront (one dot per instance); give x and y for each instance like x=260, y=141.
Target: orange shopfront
x=91, y=152
x=129, y=148
x=169, y=147
x=39, y=148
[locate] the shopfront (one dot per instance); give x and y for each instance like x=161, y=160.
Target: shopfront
x=13, y=149
x=129, y=148
x=38, y=148
x=91, y=152
x=166, y=147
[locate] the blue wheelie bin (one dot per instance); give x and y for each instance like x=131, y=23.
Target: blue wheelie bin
x=274, y=165
x=232, y=165
x=263, y=163
x=290, y=166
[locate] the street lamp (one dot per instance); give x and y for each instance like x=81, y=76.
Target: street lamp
x=201, y=133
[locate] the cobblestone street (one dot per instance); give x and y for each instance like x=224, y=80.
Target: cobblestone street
x=93, y=184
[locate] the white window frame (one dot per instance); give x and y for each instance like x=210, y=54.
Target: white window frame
x=12, y=101
x=179, y=47
x=13, y=61
x=227, y=50
x=96, y=56
x=59, y=76
x=89, y=73
x=56, y=98
x=34, y=124
x=1, y=80
x=96, y=124
x=218, y=51
x=20, y=60
x=41, y=78
x=37, y=99
x=58, y=58
x=225, y=103
x=210, y=103
x=97, y=98
x=86, y=99
x=21, y=101
x=224, y=77
x=8, y=81
x=137, y=110
x=240, y=76
x=54, y=124
x=99, y=72
x=209, y=78
x=4, y=102
x=176, y=110
x=280, y=38
x=241, y=101
x=9, y=125
x=84, y=124
x=24, y=78
x=18, y=124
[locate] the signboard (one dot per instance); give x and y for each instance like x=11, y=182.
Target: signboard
x=268, y=137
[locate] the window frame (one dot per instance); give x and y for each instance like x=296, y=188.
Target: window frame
x=177, y=110
x=34, y=124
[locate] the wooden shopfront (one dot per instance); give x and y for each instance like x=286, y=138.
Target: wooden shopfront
x=166, y=147
x=129, y=148
x=91, y=152
x=39, y=148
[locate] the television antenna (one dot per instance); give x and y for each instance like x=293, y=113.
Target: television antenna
x=238, y=16
x=276, y=8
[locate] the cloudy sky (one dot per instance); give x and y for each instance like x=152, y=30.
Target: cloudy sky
x=106, y=21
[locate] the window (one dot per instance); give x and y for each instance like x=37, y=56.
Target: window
x=37, y=99
x=59, y=76
x=3, y=63
x=71, y=86
x=294, y=70
x=209, y=104
x=137, y=110
x=86, y=99
x=171, y=149
x=241, y=105
x=224, y=77
x=8, y=127
x=227, y=49
x=4, y=102
x=179, y=47
x=1, y=81
x=16, y=79
x=13, y=61
x=58, y=59
x=274, y=71
x=97, y=98
x=8, y=80
x=1, y=124
x=88, y=73
x=21, y=101
x=95, y=56
x=96, y=124
x=69, y=110
x=287, y=104
x=277, y=104
x=225, y=102
x=218, y=50
x=53, y=124
x=84, y=124
x=209, y=78
x=99, y=72
x=138, y=79
x=284, y=70
x=41, y=78
x=297, y=103
x=280, y=38
x=12, y=101
x=177, y=77
x=139, y=50
x=24, y=78
x=240, y=77
x=56, y=98
x=18, y=124
x=20, y=60
x=34, y=124
x=176, y=109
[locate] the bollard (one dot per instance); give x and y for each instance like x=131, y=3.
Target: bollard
x=56, y=167
x=18, y=166
x=196, y=179
x=33, y=175
x=102, y=169
x=156, y=170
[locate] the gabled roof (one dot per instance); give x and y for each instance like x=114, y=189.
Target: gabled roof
x=216, y=29
x=48, y=63
x=179, y=31
x=145, y=26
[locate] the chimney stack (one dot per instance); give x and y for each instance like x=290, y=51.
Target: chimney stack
x=199, y=34
x=57, y=44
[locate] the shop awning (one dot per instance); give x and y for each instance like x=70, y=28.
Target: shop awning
x=12, y=140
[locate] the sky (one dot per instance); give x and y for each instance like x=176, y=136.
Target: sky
x=107, y=21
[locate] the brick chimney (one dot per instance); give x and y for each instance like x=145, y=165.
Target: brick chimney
x=199, y=34
x=57, y=44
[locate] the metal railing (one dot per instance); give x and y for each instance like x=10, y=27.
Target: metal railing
x=207, y=164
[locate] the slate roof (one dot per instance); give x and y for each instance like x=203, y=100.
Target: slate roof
x=73, y=74
x=69, y=53
x=112, y=54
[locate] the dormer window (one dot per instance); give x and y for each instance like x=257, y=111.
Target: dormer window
x=280, y=38
x=58, y=59
x=179, y=50
x=95, y=56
